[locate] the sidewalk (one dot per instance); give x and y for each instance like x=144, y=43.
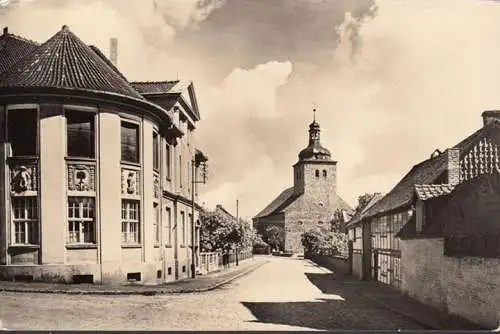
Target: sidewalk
x=199, y=284
x=394, y=300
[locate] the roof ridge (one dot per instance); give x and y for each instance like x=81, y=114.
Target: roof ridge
x=154, y=82
x=65, y=61
x=21, y=38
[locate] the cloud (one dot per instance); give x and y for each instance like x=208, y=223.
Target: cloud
x=236, y=118
x=391, y=82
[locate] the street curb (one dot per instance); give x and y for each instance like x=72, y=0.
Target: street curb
x=152, y=292
x=218, y=285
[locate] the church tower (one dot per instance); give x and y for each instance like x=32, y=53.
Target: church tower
x=315, y=174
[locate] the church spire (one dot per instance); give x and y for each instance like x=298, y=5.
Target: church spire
x=314, y=150
x=314, y=129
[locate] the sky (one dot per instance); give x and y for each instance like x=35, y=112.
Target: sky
x=392, y=80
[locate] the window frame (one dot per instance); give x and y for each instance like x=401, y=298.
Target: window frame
x=81, y=221
x=168, y=226
x=156, y=224
x=156, y=151
x=128, y=222
x=137, y=125
x=168, y=161
x=87, y=110
x=32, y=238
x=20, y=108
x=183, y=228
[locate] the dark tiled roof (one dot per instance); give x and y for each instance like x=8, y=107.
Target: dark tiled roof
x=64, y=61
x=107, y=61
x=427, y=172
x=402, y=194
x=427, y=191
x=154, y=87
x=287, y=197
x=12, y=49
x=283, y=199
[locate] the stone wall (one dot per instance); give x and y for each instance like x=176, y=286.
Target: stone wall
x=467, y=286
x=334, y=263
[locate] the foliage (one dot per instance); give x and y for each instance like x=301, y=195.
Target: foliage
x=259, y=245
x=219, y=232
x=322, y=242
x=275, y=236
x=363, y=200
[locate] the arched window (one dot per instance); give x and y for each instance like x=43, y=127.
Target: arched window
x=324, y=172
x=317, y=173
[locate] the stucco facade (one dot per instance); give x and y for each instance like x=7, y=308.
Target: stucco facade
x=311, y=202
x=96, y=174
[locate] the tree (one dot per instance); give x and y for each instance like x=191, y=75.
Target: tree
x=218, y=232
x=363, y=200
x=274, y=236
x=312, y=240
x=320, y=242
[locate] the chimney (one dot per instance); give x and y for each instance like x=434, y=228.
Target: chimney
x=113, y=50
x=490, y=116
x=453, y=155
x=5, y=31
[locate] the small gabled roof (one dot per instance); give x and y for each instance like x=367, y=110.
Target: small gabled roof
x=13, y=48
x=154, y=87
x=64, y=61
x=428, y=191
x=426, y=172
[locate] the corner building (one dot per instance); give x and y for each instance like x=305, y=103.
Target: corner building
x=96, y=171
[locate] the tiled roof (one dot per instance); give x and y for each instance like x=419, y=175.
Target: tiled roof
x=427, y=191
x=107, y=61
x=427, y=172
x=286, y=197
x=12, y=49
x=64, y=61
x=154, y=87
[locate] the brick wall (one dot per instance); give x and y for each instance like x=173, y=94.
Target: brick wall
x=467, y=286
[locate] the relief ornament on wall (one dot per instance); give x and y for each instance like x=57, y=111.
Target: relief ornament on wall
x=130, y=182
x=22, y=180
x=81, y=178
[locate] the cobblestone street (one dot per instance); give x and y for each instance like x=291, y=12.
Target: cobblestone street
x=284, y=294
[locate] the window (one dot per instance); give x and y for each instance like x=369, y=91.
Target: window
x=156, y=223
x=130, y=142
x=180, y=171
x=156, y=151
x=25, y=220
x=190, y=222
x=169, y=226
x=80, y=134
x=183, y=227
x=22, y=131
x=317, y=173
x=324, y=172
x=130, y=222
x=168, y=167
x=81, y=217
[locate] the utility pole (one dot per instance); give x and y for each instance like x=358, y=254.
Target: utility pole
x=238, y=224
